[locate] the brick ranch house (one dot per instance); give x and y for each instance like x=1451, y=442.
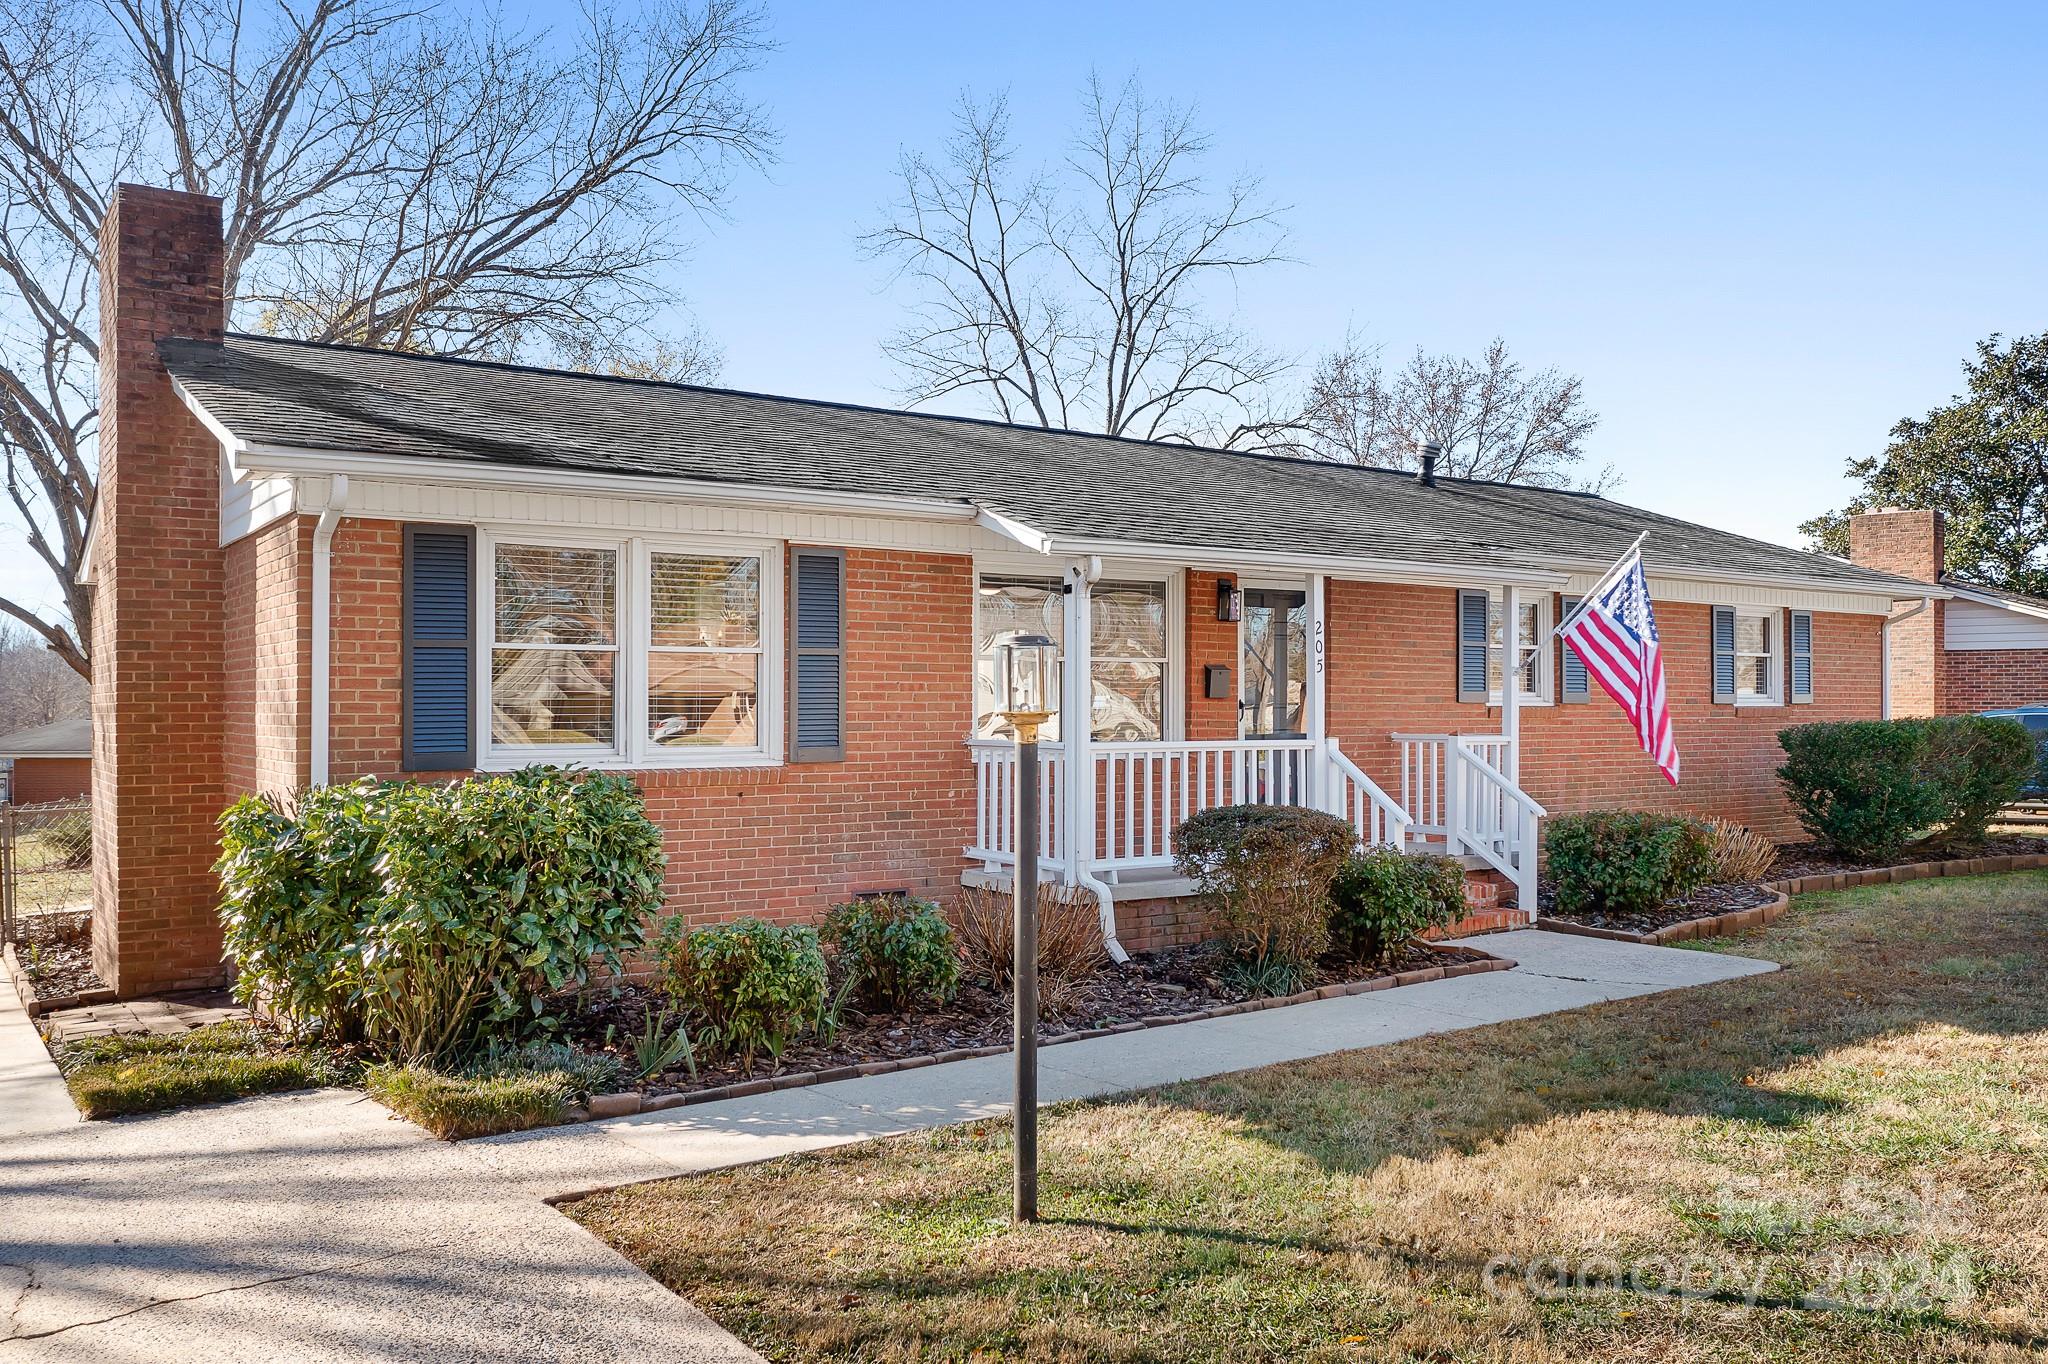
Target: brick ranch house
x=1972, y=648
x=315, y=562
x=48, y=762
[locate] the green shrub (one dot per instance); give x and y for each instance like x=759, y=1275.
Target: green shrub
x=298, y=881
x=1866, y=788
x=1859, y=786
x=1978, y=764
x=1626, y=861
x=749, y=987
x=112, y=1076
x=1266, y=871
x=894, y=949
x=1381, y=898
x=430, y=919
x=69, y=836
x=499, y=892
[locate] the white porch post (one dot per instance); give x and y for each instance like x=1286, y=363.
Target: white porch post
x=1510, y=680
x=1321, y=788
x=1077, y=704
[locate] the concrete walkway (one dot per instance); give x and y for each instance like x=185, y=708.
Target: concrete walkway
x=1556, y=971
x=314, y=1227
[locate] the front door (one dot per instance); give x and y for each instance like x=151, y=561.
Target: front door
x=1272, y=703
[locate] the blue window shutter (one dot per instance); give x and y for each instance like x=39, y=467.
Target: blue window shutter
x=1801, y=654
x=1724, y=655
x=1574, y=687
x=817, y=655
x=439, y=649
x=1472, y=646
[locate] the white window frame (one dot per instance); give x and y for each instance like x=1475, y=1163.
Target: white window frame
x=1510, y=648
x=1775, y=657
x=633, y=632
x=1168, y=718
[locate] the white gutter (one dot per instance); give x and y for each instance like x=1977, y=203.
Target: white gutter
x=323, y=629
x=1884, y=645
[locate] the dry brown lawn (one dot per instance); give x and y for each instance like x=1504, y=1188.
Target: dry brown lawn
x=1845, y=1159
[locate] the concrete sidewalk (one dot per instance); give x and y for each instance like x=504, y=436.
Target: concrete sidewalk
x=314, y=1227
x=1555, y=971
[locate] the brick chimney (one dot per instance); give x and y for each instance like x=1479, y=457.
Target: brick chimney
x=1893, y=540
x=157, y=635
x=1910, y=544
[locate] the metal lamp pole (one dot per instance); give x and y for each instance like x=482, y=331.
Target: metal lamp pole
x=1024, y=972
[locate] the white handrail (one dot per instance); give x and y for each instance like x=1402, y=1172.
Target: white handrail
x=995, y=804
x=1359, y=799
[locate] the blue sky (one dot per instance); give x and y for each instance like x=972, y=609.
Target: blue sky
x=1760, y=234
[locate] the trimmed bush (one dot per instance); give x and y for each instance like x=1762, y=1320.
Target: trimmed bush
x=1266, y=871
x=499, y=892
x=1858, y=786
x=1381, y=898
x=894, y=949
x=749, y=987
x=1865, y=789
x=1626, y=861
x=1978, y=764
x=432, y=919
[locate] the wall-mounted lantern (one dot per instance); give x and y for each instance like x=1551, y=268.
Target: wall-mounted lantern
x=1229, y=601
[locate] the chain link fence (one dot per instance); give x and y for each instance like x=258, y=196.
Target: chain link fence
x=45, y=871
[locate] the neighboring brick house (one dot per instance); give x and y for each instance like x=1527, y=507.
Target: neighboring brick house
x=49, y=762
x=316, y=562
x=1972, y=648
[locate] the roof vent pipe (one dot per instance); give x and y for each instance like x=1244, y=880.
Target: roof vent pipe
x=1426, y=452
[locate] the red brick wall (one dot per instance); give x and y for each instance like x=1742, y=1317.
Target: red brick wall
x=1993, y=679
x=783, y=842
x=158, y=651
x=36, y=780
x=266, y=723
x=1392, y=656
x=1210, y=641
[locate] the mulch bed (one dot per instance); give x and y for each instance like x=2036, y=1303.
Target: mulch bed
x=1706, y=902
x=55, y=952
x=1810, y=859
x=1181, y=980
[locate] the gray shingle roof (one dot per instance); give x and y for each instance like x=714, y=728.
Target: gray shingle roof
x=1066, y=484
x=61, y=738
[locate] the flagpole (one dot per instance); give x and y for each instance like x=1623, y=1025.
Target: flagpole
x=1590, y=593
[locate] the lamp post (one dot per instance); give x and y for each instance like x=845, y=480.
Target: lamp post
x=1024, y=666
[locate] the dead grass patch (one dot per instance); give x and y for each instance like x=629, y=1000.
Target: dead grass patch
x=1869, y=1111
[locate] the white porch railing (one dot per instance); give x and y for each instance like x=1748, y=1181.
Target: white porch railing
x=995, y=804
x=1144, y=790
x=1456, y=788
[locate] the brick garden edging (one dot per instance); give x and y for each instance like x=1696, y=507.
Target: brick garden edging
x=628, y=1102
x=36, y=1007
x=1742, y=920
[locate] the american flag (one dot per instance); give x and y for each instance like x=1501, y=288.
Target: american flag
x=1615, y=632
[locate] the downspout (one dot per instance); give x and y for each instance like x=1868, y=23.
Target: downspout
x=1884, y=644
x=323, y=611
x=1081, y=779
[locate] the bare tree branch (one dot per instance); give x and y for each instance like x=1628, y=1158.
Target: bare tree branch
x=1081, y=299
x=398, y=173
x=1492, y=419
